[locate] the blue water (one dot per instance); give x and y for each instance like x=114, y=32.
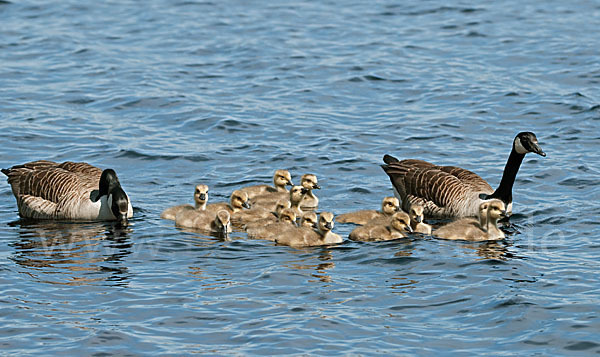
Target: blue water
x=171, y=94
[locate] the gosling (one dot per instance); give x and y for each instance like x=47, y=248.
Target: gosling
x=281, y=178
x=416, y=220
x=309, y=220
x=272, y=218
x=215, y=223
x=472, y=229
x=397, y=227
x=200, y=200
x=237, y=202
x=287, y=219
x=310, y=183
x=306, y=237
x=389, y=206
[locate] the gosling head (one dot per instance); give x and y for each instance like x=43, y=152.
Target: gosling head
x=282, y=178
x=288, y=216
x=390, y=205
x=326, y=222
x=309, y=220
x=527, y=142
x=223, y=223
x=281, y=205
x=496, y=210
x=296, y=194
x=310, y=182
x=201, y=195
x=401, y=222
x=239, y=200
x=416, y=213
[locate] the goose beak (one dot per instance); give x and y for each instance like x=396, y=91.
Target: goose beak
x=408, y=229
x=304, y=190
x=203, y=196
x=329, y=225
x=316, y=187
x=246, y=204
x=290, y=183
x=419, y=219
x=503, y=214
x=537, y=149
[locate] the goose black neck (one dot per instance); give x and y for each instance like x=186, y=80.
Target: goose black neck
x=504, y=190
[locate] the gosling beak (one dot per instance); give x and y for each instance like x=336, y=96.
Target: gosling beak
x=537, y=149
x=316, y=187
x=503, y=214
x=304, y=190
x=246, y=204
x=419, y=219
x=315, y=225
x=329, y=225
x=408, y=229
x=290, y=183
x=203, y=196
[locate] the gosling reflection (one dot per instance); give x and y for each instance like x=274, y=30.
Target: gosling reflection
x=73, y=253
x=326, y=263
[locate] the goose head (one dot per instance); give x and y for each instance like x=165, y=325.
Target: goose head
x=310, y=182
x=296, y=194
x=223, y=223
x=281, y=205
x=416, y=213
x=201, y=195
x=239, y=200
x=401, y=222
x=326, y=222
x=525, y=142
x=390, y=205
x=110, y=186
x=496, y=210
x=282, y=178
x=287, y=215
x=309, y=220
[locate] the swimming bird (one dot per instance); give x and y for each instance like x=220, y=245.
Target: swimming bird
x=214, y=222
x=281, y=178
x=306, y=237
x=310, y=183
x=287, y=218
x=416, y=220
x=449, y=191
x=309, y=220
x=68, y=191
x=471, y=229
x=389, y=206
x=272, y=218
x=200, y=200
x=398, y=226
x=237, y=202
x=294, y=196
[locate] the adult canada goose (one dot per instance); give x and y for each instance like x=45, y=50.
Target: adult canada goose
x=281, y=178
x=272, y=218
x=449, y=191
x=237, y=202
x=68, y=191
x=389, y=206
x=310, y=183
x=416, y=220
x=471, y=229
x=214, y=222
x=200, y=200
x=305, y=237
x=287, y=218
x=396, y=227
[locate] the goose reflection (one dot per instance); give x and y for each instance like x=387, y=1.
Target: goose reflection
x=73, y=253
x=326, y=263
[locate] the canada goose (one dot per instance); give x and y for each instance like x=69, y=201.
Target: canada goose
x=287, y=218
x=389, y=206
x=397, y=227
x=416, y=220
x=68, y=191
x=272, y=218
x=449, y=191
x=200, y=200
x=281, y=178
x=310, y=183
x=215, y=223
x=471, y=229
x=309, y=220
x=237, y=202
x=294, y=196
x=305, y=237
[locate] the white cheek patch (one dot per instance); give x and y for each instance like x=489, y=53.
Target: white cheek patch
x=519, y=148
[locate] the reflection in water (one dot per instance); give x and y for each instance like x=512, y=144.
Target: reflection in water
x=327, y=263
x=73, y=253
